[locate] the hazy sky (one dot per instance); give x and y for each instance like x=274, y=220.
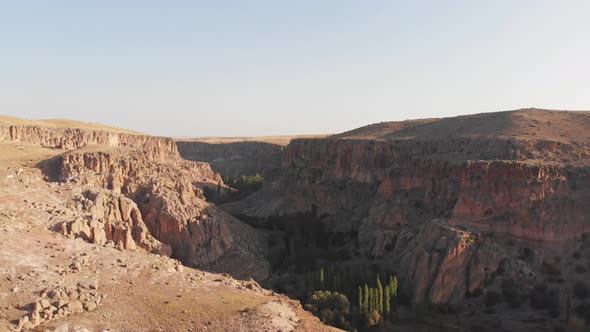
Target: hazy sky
x=249, y=67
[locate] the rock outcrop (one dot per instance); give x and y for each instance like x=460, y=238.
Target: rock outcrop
x=108, y=216
x=440, y=264
x=173, y=207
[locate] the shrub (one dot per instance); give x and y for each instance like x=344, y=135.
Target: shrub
x=332, y=308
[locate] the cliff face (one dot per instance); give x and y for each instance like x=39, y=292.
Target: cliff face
x=410, y=182
x=73, y=138
x=234, y=159
x=441, y=263
x=112, y=217
x=173, y=207
x=388, y=192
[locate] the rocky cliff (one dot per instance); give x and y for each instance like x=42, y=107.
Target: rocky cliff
x=108, y=216
x=170, y=198
x=386, y=190
x=74, y=138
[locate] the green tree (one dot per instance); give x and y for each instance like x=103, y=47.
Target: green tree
x=379, y=296
x=393, y=285
x=374, y=296
x=331, y=307
x=387, y=300
x=366, y=297
x=360, y=295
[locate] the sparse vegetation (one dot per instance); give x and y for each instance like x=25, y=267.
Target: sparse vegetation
x=374, y=300
x=245, y=184
x=332, y=308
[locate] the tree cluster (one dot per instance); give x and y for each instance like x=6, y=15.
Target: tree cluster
x=372, y=296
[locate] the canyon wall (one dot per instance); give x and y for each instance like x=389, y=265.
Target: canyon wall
x=500, y=185
x=389, y=193
x=234, y=159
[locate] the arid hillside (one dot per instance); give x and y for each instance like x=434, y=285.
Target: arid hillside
x=524, y=124
x=103, y=229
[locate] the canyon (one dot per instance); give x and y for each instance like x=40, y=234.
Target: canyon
x=448, y=205
x=462, y=210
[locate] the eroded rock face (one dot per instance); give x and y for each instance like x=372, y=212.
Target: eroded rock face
x=161, y=148
x=173, y=207
x=109, y=216
x=441, y=263
x=540, y=202
x=120, y=171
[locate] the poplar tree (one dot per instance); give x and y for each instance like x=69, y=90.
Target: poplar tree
x=393, y=285
x=379, y=296
x=360, y=294
x=366, y=297
x=387, y=300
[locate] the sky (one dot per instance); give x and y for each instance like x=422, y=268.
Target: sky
x=254, y=68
